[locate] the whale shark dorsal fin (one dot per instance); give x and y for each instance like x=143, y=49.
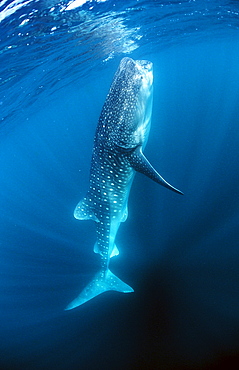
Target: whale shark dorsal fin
x=84, y=210
x=125, y=214
x=140, y=163
x=115, y=251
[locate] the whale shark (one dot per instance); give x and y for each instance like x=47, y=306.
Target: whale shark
x=120, y=138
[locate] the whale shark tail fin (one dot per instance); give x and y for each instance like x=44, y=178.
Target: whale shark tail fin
x=102, y=282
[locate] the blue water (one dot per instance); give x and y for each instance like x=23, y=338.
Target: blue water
x=181, y=254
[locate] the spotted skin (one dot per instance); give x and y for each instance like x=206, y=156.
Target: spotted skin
x=120, y=137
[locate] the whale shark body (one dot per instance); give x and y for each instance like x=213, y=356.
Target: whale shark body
x=120, y=138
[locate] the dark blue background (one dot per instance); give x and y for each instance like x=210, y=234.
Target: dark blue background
x=180, y=254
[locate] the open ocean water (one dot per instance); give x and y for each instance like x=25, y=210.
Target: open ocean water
x=181, y=254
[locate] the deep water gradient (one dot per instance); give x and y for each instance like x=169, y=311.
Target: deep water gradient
x=180, y=254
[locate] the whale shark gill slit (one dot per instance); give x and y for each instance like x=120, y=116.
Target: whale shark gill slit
x=120, y=138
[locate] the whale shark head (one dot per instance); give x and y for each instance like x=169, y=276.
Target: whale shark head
x=128, y=106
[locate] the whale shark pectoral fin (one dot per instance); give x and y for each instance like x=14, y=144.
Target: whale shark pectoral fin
x=140, y=163
x=102, y=282
x=84, y=211
x=114, y=252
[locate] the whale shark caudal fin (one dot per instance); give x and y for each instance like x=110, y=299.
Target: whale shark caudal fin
x=102, y=282
x=140, y=163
